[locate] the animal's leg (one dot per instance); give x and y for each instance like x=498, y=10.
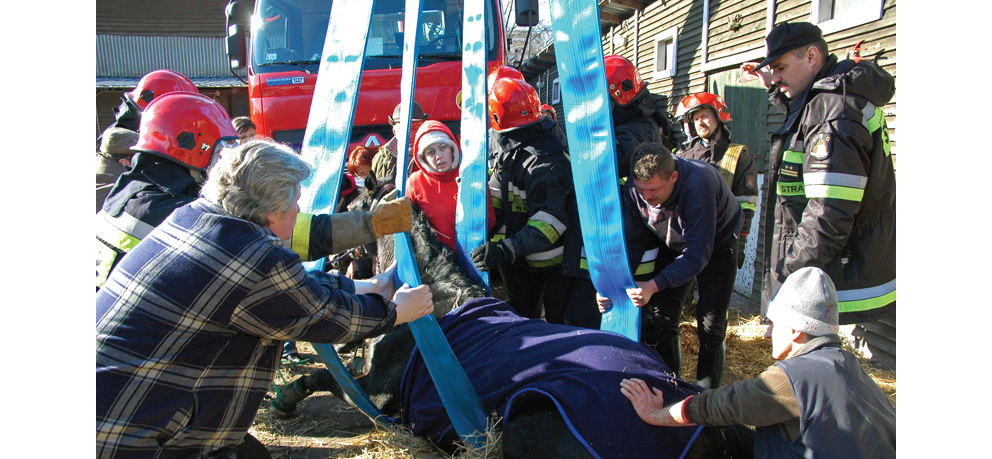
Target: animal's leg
x=729, y=442
x=537, y=430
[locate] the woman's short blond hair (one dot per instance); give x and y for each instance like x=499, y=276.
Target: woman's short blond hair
x=256, y=179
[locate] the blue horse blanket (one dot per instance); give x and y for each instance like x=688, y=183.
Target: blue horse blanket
x=509, y=358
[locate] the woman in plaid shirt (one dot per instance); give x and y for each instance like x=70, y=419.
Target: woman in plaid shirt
x=190, y=325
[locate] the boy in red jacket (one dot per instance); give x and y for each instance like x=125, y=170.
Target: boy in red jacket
x=435, y=186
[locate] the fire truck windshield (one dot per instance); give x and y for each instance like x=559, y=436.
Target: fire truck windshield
x=289, y=34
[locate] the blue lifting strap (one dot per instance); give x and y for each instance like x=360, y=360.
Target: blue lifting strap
x=325, y=146
x=455, y=389
x=471, y=214
x=589, y=126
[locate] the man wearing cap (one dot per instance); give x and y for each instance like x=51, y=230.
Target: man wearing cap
x=832, y=184
x=113, y=159
x=384, y=162
x=816, y=398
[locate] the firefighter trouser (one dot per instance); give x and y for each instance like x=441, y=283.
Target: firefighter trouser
x=526, y=287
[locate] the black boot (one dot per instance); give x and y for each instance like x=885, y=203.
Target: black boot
x=709, y=369
x=670, y=349
x=289, y=395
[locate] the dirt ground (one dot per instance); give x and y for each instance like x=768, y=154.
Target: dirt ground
x=327, y=427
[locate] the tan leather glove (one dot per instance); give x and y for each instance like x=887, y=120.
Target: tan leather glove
x=392, y=217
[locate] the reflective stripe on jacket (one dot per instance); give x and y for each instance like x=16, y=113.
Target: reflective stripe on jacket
x=115, y=237
x=531, y=189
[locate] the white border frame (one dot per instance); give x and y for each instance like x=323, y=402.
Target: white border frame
x=846, y=21
x=673, y=54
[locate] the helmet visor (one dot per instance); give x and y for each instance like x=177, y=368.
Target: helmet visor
x=222, y=145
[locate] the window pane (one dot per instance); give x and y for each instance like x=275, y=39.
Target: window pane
x=832, y=9
x=661, y=55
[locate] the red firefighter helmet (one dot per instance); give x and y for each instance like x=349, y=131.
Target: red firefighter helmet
x=622, y=79
x=186, y=128
x=512, y=104
x=158, y=83
x=503, y=71
x=698, y=101
x=546, y=107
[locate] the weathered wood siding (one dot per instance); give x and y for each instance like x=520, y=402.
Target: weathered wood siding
x=724, y=41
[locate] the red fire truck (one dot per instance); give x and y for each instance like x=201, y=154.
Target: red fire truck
x=285, y=40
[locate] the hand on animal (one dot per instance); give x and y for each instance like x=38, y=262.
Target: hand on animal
x=412, y=303
x=641, y=294
x=381, y=284
x=492, y=254
x=392, y=217
x=603, y=302
x=648, y=403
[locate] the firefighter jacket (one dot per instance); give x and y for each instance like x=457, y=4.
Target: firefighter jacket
x=700, y=217
x=640, y=121
x=832, y=187
x=736, y=167
x=145, y=196
x=531, y=188
x=140, y=200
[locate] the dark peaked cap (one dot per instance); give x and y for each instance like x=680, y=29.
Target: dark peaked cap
x=786, y=37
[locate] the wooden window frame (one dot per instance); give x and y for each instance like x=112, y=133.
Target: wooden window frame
x=673, y=54
x=847, y=20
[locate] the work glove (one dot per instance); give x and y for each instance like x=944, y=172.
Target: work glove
x=392, y=217
x=492, y=254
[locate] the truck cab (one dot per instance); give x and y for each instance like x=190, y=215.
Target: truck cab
x=285, y=40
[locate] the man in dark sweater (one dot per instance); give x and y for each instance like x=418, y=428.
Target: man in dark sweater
x=816, y=398
x=689, y=206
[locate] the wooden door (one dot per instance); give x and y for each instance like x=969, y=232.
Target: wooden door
x=748, y=105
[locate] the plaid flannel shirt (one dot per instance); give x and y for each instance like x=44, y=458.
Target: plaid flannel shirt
x=189, y=328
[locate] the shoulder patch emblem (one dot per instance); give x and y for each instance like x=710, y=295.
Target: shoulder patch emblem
x=749, y=183
x=821, y=148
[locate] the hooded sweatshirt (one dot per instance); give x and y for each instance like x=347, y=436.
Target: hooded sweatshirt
x=436, y=192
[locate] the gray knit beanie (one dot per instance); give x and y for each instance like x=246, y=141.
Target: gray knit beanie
x=118, y=141
x=806, y=302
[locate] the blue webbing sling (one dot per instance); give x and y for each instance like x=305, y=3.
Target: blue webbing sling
x=325, y=146
x=588, y=122
x=471, y=215
x=455, y=389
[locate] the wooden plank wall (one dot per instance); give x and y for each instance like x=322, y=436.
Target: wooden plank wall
x=724, y=41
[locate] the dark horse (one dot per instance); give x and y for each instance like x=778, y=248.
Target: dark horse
x=556, y=387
